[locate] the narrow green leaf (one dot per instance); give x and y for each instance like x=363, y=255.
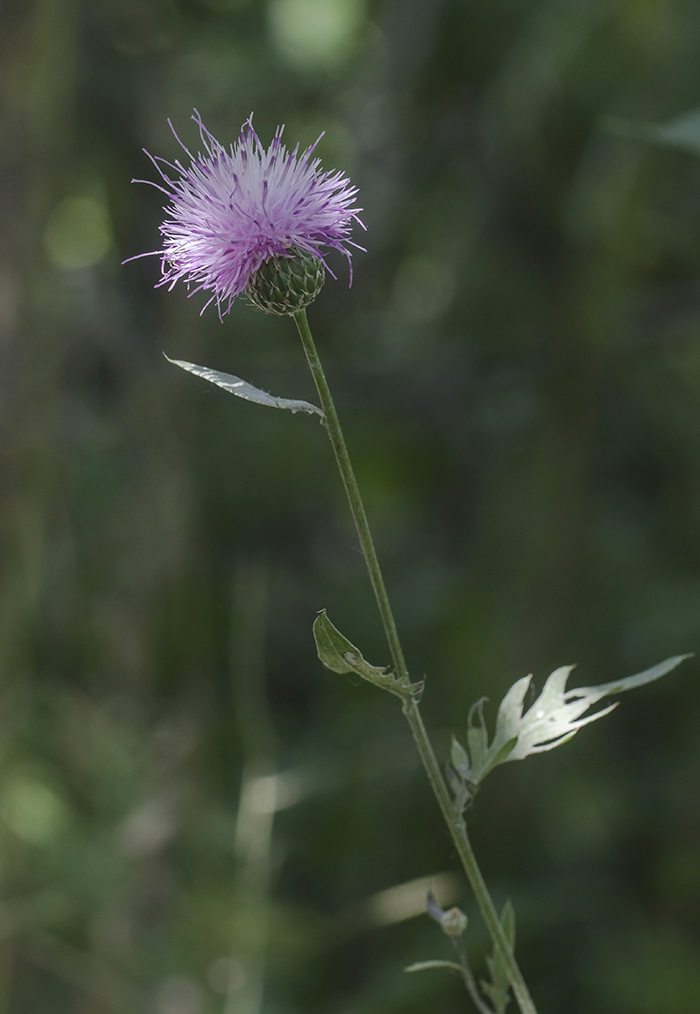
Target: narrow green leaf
x=477, y=741
x=500, y=998
x=508, y=922
x=242, y=389
x=340, y=655
x=498, y=989
x=422, y=966
x=459, y=758
x=477, y=735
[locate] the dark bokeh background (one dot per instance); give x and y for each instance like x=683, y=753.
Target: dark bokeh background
x=518, y=368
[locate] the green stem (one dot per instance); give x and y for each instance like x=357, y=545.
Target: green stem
x=458, y=830
x=469, y=980
x=332, y=424
x=453, y=819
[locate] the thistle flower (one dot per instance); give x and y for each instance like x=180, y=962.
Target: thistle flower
x=232, y=211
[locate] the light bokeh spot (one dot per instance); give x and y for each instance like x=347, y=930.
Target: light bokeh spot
x=315, y=33
x=78, y=233
x=226, y=975
x=31, y=809
x=179, y=995
x=422, y=290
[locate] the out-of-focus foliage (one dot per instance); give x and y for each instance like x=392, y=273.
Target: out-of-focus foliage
x=518, y=368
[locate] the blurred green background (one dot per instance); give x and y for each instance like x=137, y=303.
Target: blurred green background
x=518, y=368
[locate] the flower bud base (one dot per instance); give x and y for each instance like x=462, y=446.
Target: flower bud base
x=285, y=285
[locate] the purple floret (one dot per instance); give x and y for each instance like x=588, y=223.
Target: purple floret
x=230, y=211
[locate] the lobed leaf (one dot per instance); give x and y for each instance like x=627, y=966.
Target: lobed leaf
x=552, y=720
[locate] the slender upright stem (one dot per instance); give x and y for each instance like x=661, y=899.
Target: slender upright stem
x=458, y=830
x=453, y=819
x=468, y=976
x=332, y=424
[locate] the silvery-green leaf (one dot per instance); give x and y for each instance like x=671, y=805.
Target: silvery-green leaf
x=340, y=655
x=422, y=966
x=459, y=758
x=554, y=717
x=510, y=710
x=242, y=389
x=681, y=132
x=552, y=720
x=498, y=989
x=477, y=734
x=507, y=730
x=640, y=678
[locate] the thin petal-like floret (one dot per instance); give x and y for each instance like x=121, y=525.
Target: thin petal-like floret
x=231, y=210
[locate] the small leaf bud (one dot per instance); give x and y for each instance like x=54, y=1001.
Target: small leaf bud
x=454, y=922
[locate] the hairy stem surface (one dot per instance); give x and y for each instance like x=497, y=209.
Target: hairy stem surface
x=453, y=819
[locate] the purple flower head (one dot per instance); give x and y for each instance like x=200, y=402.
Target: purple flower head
x=232, y=210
